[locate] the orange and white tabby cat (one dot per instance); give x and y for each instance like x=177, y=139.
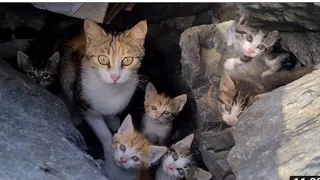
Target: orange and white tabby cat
x=160, y=111
x=103, y=79
x=130, y=153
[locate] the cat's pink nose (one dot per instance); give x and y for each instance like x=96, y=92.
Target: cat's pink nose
x=115, y=77
x=169, y=166
x=250, y=50
x=232, y=120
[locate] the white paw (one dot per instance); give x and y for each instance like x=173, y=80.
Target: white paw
x=265, y=74
x=229, y=64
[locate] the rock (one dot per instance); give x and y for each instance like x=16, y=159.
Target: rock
x=278, y=136
x=283, y=16
x=199, y=69
x=38, y=140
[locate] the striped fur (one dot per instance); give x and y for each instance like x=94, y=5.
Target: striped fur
x=178, y=163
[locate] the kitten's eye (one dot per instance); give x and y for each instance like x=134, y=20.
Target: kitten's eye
x=180, y=171
x=167, y=113
x=104, y=60
x=45, y=75
x=175, y=156
x=153, y=108
x=228, y=108
x=31, y=74
x=135, y=159
x=127, y=61
x=122, y=147
x=249, y=37
x=261, y=47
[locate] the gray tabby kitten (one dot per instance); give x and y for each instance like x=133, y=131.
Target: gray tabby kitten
x=42, y=71
x=178, y=163
x=253, y=46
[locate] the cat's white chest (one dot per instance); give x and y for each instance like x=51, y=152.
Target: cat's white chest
x=106, y=99
x=155, y=131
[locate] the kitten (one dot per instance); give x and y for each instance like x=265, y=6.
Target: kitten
x=159, y=114
x=131, y=153
x=236, y=94
x=253, y=45
x=102, y=81
x=42, y=71
x=178, y=163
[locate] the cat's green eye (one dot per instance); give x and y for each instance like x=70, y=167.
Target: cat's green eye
x=104, y=60
x=31, y=74
x=167, y=113
x=135, y=159
x=153, y=108
x=127, y=61
x=45, y=75
x=228, y=108
x=261, y=47
x=180, y=171
x=122, y=147
x=249, y=37
x=175, y=156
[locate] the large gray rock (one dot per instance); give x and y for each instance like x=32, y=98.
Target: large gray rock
x=278, y=136
x=199, y=69
x=37, y=138
x=284, y=16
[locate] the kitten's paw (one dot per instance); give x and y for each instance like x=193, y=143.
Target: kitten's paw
x=265, y=74
x=229, y=64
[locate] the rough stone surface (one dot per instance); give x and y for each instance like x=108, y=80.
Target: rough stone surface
x=278, y=136
x=37, y=138
x=199, y=69
x=283, y=16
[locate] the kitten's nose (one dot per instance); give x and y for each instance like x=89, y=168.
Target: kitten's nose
x=169, y=166
x=38, y=80
x=122, y=160
x=251, y=50
x=115, y=77
x=232, y=120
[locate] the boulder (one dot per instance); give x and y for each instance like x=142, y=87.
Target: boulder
x=38, y=140
x=278, y=136
x=201, y=48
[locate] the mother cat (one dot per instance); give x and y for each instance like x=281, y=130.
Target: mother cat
x=102, y=82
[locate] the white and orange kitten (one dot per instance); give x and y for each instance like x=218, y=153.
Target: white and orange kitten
x=178, y=163
x=160, y=111
x=130, y=153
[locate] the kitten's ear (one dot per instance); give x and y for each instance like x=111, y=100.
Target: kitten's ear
x=150, y=91
x=22, y=59
x=243, y=20
x=226, y=83
x=201, y=174
x=272, y=37
x=156, y=152
x=139, y=31
x=126, y=126
x=180, y=101
x=54, y=59
x=93, y=31
x=185, y=142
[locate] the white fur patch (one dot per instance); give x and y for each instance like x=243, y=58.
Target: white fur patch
x=154, y=131
x=179, y=163
x=106, y=99
x=127, y=154
x=231, y=63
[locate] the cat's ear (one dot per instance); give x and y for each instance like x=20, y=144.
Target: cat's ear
x=156, y=152
x=185, y=142
x=272, y=37
x=150, y=91
x=139, y=31
x=180, y=101
x=22, y=59
x=126, y=126
x=201, y=174
x=243, y=20
x=226, y=83
x=54, y=59
x=94, y=32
